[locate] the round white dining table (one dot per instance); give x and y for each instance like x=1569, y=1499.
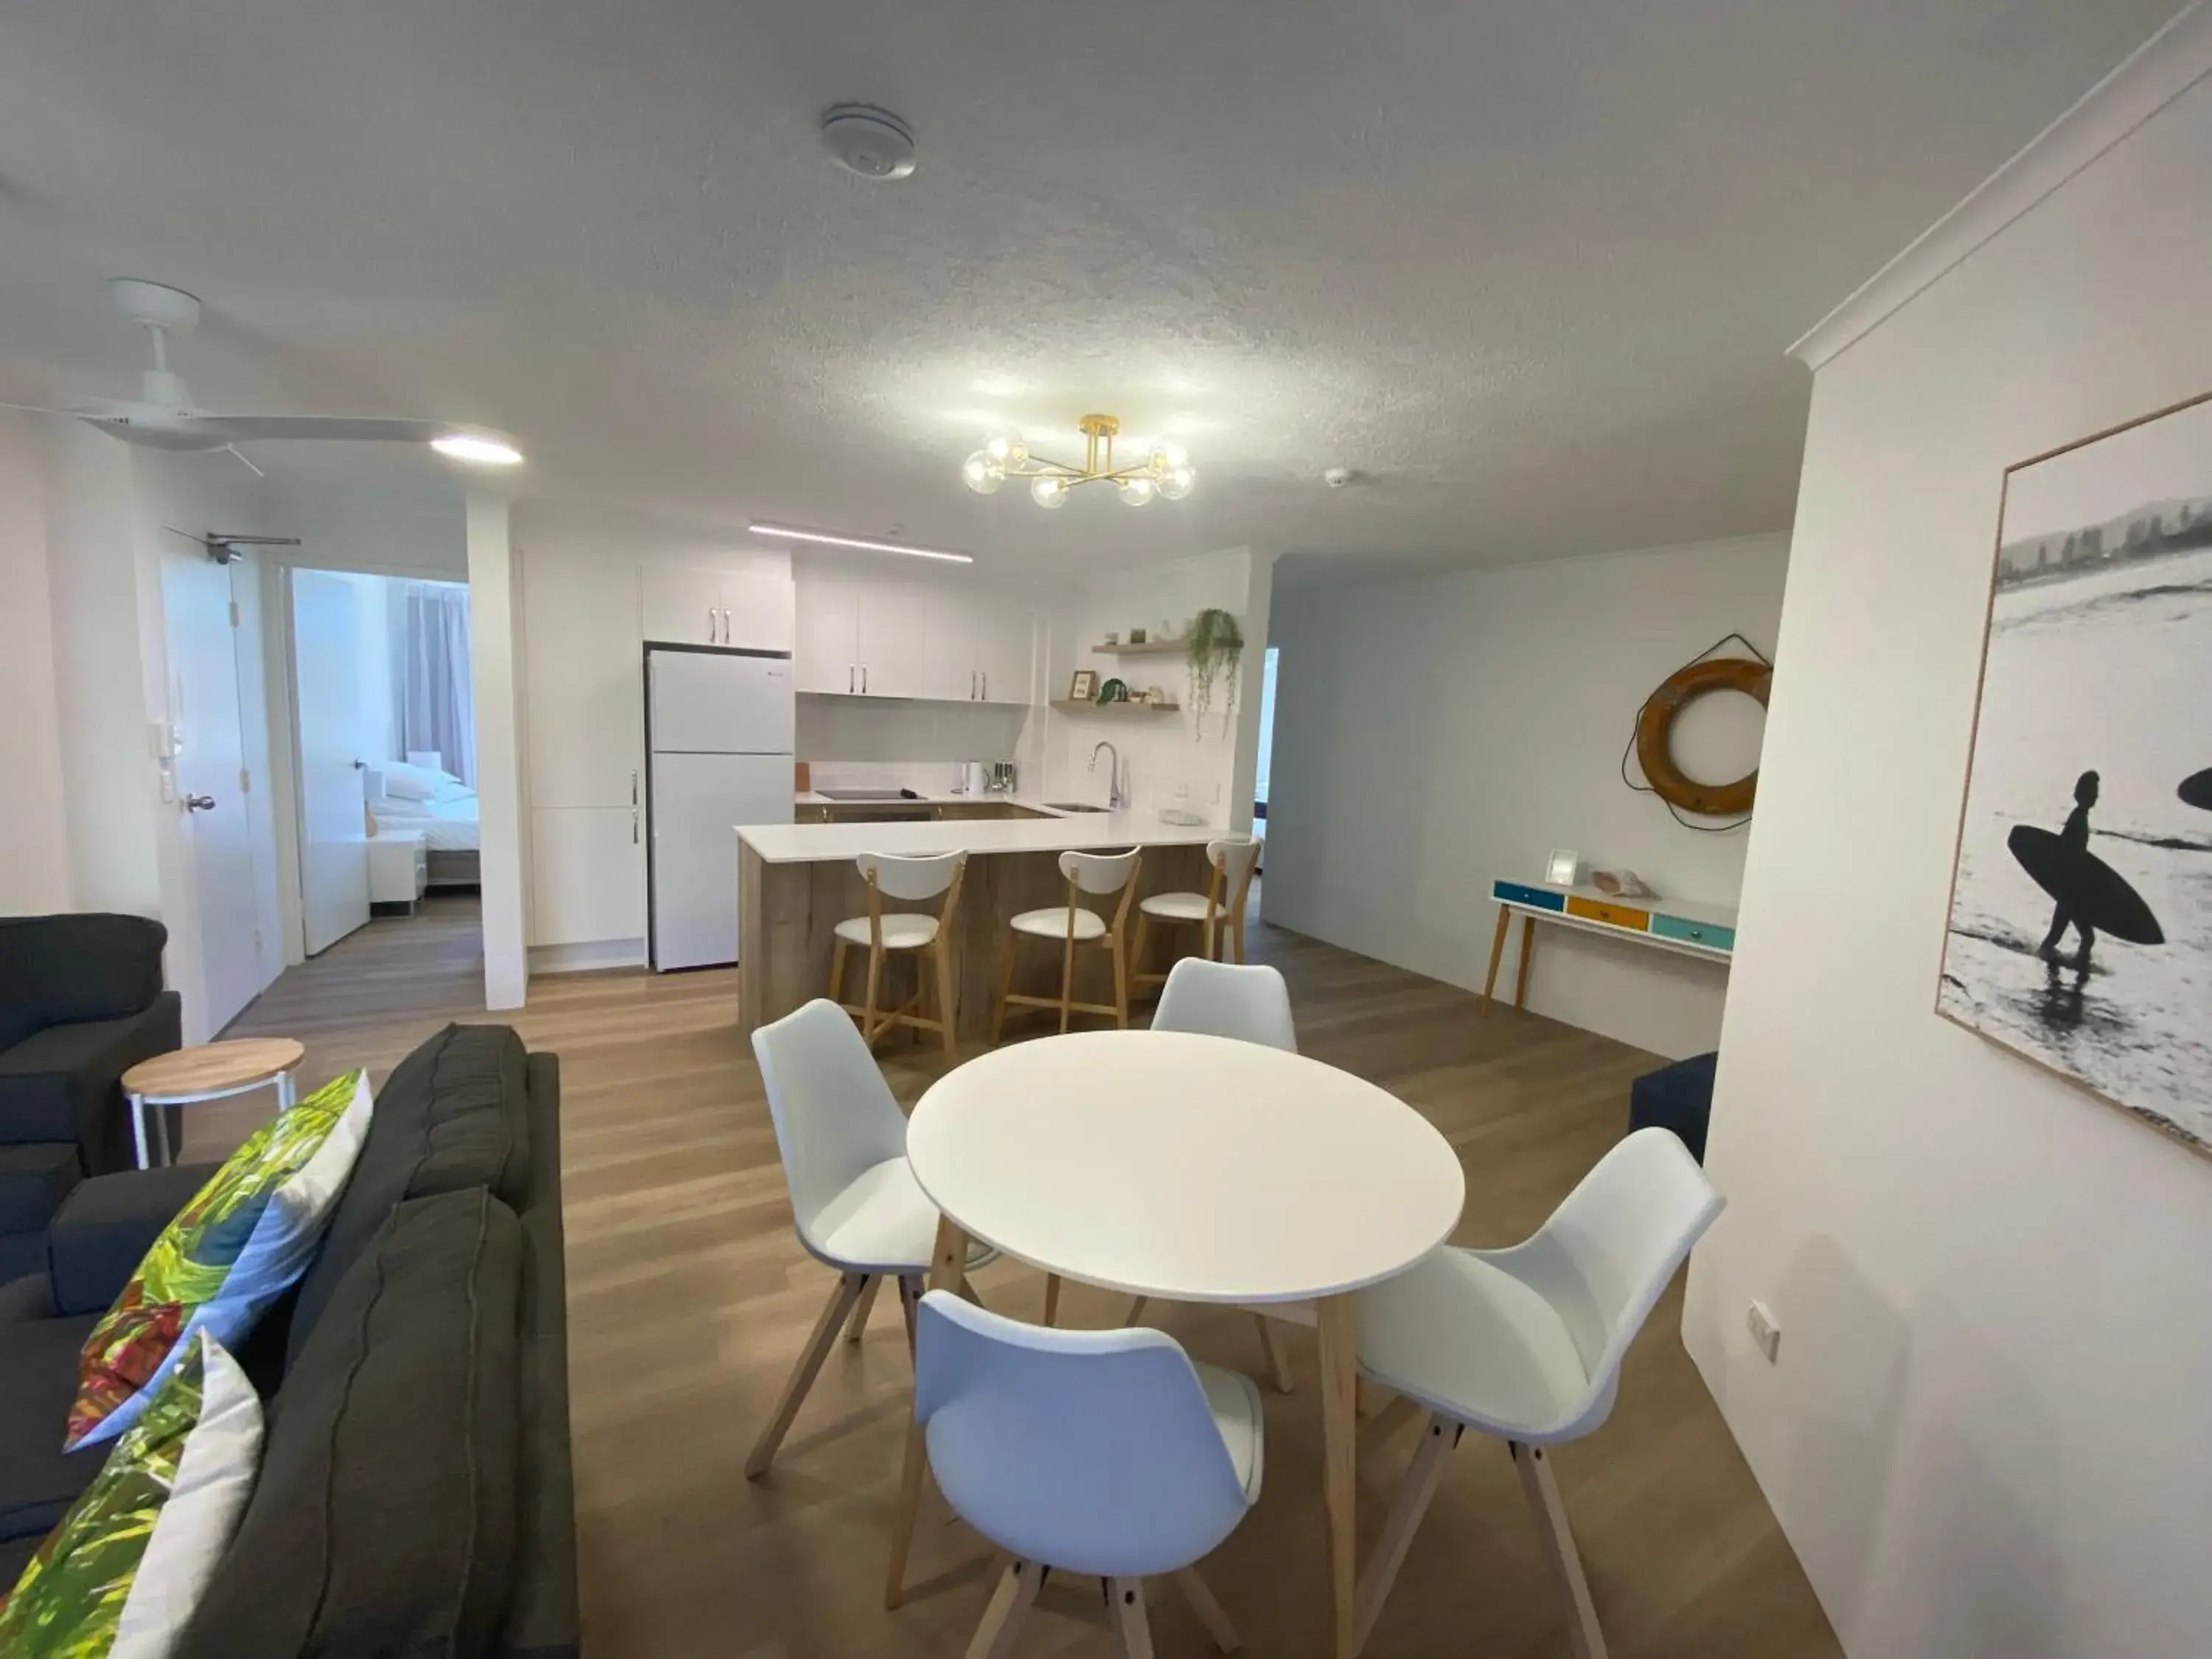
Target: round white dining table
x=1189, y=1168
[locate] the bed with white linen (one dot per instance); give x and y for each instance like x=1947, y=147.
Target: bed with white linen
x=439, y=807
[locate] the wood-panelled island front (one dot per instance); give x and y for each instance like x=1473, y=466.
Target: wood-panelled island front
x=796, y=882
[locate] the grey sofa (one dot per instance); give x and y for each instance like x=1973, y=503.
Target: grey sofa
x=415, y=1493
x=80, y=1002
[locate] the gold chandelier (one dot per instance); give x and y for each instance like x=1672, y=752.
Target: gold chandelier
x=1165, y=473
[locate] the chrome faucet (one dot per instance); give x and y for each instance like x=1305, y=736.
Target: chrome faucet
x=1116, y=796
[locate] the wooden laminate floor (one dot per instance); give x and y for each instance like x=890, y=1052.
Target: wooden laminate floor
x=689, y=1297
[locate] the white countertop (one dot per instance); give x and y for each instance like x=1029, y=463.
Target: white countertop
x=822, y=843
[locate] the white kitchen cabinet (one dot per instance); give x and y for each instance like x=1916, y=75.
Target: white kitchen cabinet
x=584, y=707
x=1004, y=650
x=825, y=658
x=739, y=608
x=949, y=673
x=586, y=875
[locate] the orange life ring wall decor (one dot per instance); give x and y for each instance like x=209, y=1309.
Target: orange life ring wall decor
x=1654, y=728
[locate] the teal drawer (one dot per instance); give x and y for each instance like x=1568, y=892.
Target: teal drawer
x=1710, y=934
x=1538, y=898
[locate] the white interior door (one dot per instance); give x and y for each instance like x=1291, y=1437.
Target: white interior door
x=210, y=772
x=327, y=630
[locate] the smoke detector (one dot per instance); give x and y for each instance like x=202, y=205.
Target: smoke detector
x=871, y=142
x=1338, y=476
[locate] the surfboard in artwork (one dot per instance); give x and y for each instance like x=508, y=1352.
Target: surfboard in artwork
x=2089, y=889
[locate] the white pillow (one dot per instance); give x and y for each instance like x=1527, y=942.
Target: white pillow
x=410, y=782
x=450, y=787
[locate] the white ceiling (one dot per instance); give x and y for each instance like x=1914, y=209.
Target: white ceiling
x=1531, y=268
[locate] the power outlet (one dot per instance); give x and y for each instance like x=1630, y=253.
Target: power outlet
x=1759, y=1320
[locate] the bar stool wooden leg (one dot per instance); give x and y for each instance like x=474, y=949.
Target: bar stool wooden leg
x=869, y=1030
x=1005, y=990
x=1137, y=950
x=946, y=1016
x=837, y=970
x=1067, y=980
x=1051, y=1299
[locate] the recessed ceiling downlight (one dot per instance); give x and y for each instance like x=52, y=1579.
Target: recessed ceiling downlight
x=476, y=449
x=866, y=140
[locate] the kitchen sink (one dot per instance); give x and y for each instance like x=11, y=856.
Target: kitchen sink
x=1074, y=807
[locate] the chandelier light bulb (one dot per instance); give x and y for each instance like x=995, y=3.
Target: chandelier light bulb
x=1138, y=492
x=1049, y=493
x=983, y=474
x=1179, y=482
x=1007, y=447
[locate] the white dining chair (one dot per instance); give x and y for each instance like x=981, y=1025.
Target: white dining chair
x=1098, y=875
x=1526, y=1343
x=855, y=1201
x=1110, y=1453
x=1218, y=913
x=1249, y=1004
x=908, y=881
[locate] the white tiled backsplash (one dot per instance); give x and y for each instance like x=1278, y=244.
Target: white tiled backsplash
x=857, y=744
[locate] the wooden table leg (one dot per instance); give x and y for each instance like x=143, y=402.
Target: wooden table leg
x=1339, y=1323
x=1528, y=949
x=948, y=1270
x=1497, y=956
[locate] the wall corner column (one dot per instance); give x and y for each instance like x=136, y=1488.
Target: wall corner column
x=492, y=618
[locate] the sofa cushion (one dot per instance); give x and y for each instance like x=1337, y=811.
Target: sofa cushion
x=384, y=1519
x=38, y=1379
x=452, y=1115
x=1678, y=1097
x=58, y=969
x=35, y=1179
x=103, y=1232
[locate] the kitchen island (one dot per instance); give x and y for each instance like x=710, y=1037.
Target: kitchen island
x=796, y=882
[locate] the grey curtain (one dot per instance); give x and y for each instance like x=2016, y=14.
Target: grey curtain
x=437, y=707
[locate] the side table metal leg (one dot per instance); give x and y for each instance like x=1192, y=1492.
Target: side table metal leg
x=161, y=1134
x=138, y=1126
x=284, y=1090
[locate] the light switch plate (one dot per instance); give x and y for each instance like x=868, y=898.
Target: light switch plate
x=1759, y=1320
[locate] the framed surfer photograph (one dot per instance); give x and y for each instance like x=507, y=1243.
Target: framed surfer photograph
x=2080, y=933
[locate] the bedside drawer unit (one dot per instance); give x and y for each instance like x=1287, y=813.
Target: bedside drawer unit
x=1613, y=915
x=1539, y=898
x=398, y=869
x=1711, y=935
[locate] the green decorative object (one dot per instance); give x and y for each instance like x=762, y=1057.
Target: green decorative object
x=1216, y=650
x=1115, y=691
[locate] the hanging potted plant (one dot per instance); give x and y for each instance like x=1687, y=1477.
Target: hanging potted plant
x=1216, y=648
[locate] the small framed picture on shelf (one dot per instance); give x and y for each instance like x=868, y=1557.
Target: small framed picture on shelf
x=1083, y=686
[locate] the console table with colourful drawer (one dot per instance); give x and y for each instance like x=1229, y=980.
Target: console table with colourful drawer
x=1707, y=930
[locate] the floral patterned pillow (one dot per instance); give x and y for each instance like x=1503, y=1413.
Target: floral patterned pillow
x=245, y=1239
x=123, y=1572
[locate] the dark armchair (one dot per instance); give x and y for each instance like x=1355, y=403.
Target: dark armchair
x=80, y=1002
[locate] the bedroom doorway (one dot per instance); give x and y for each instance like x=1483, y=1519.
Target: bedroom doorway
x=385, y=757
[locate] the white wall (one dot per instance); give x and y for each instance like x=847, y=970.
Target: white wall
x=1175, y=761
x=1988, y=1433
x=494, y=674
x=1434, y=733
x=34, y=861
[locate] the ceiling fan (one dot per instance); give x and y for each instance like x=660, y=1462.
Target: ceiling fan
x=163, y=416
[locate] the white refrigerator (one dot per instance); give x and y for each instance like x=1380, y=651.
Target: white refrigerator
x=719, y=728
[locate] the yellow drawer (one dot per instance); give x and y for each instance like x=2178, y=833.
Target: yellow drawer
x=1613, y=915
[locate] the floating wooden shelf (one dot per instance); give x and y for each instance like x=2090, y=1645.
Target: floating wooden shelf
x=1148, y=649
x=1078, y=706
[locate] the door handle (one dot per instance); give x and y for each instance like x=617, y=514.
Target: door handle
x=361, y=766
x=206, y=803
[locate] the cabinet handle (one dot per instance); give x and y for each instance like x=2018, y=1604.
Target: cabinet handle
x=725, y=624
x=633, y=826
x=632, y=792
x=849, y=673
x=863, y=679
x=971, y=686
x=987, y=685
x=710, y=624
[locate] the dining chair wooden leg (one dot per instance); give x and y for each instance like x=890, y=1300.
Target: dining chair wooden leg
x=910, y=1289
x=1067, y=980
x=1200, y=1597
x=1136, y=1311
x=859, y=1323
x=1009, y=1606
x=1005, y=990
x=834, y=1314
x=1534, y=1464
x=1051, y=1299
x=1126, y=1596
x=1271, y=1343
x=1406, y=1509
x=1497, y=956
x=948, y=1270
x=837, y=970
x=946, y=1006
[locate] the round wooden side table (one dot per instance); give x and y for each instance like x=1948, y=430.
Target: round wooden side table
x=213, y=1071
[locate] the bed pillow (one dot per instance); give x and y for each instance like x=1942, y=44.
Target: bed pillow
x=243, y=1241
x=449, y=787
x=133, y=1557
x=406, y=782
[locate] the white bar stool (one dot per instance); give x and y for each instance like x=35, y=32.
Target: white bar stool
x=1220, y=907
x=908, y=879
x=1098, y=874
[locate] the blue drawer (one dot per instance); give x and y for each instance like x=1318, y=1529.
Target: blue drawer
x=1538, y=898
x=1710, y=934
